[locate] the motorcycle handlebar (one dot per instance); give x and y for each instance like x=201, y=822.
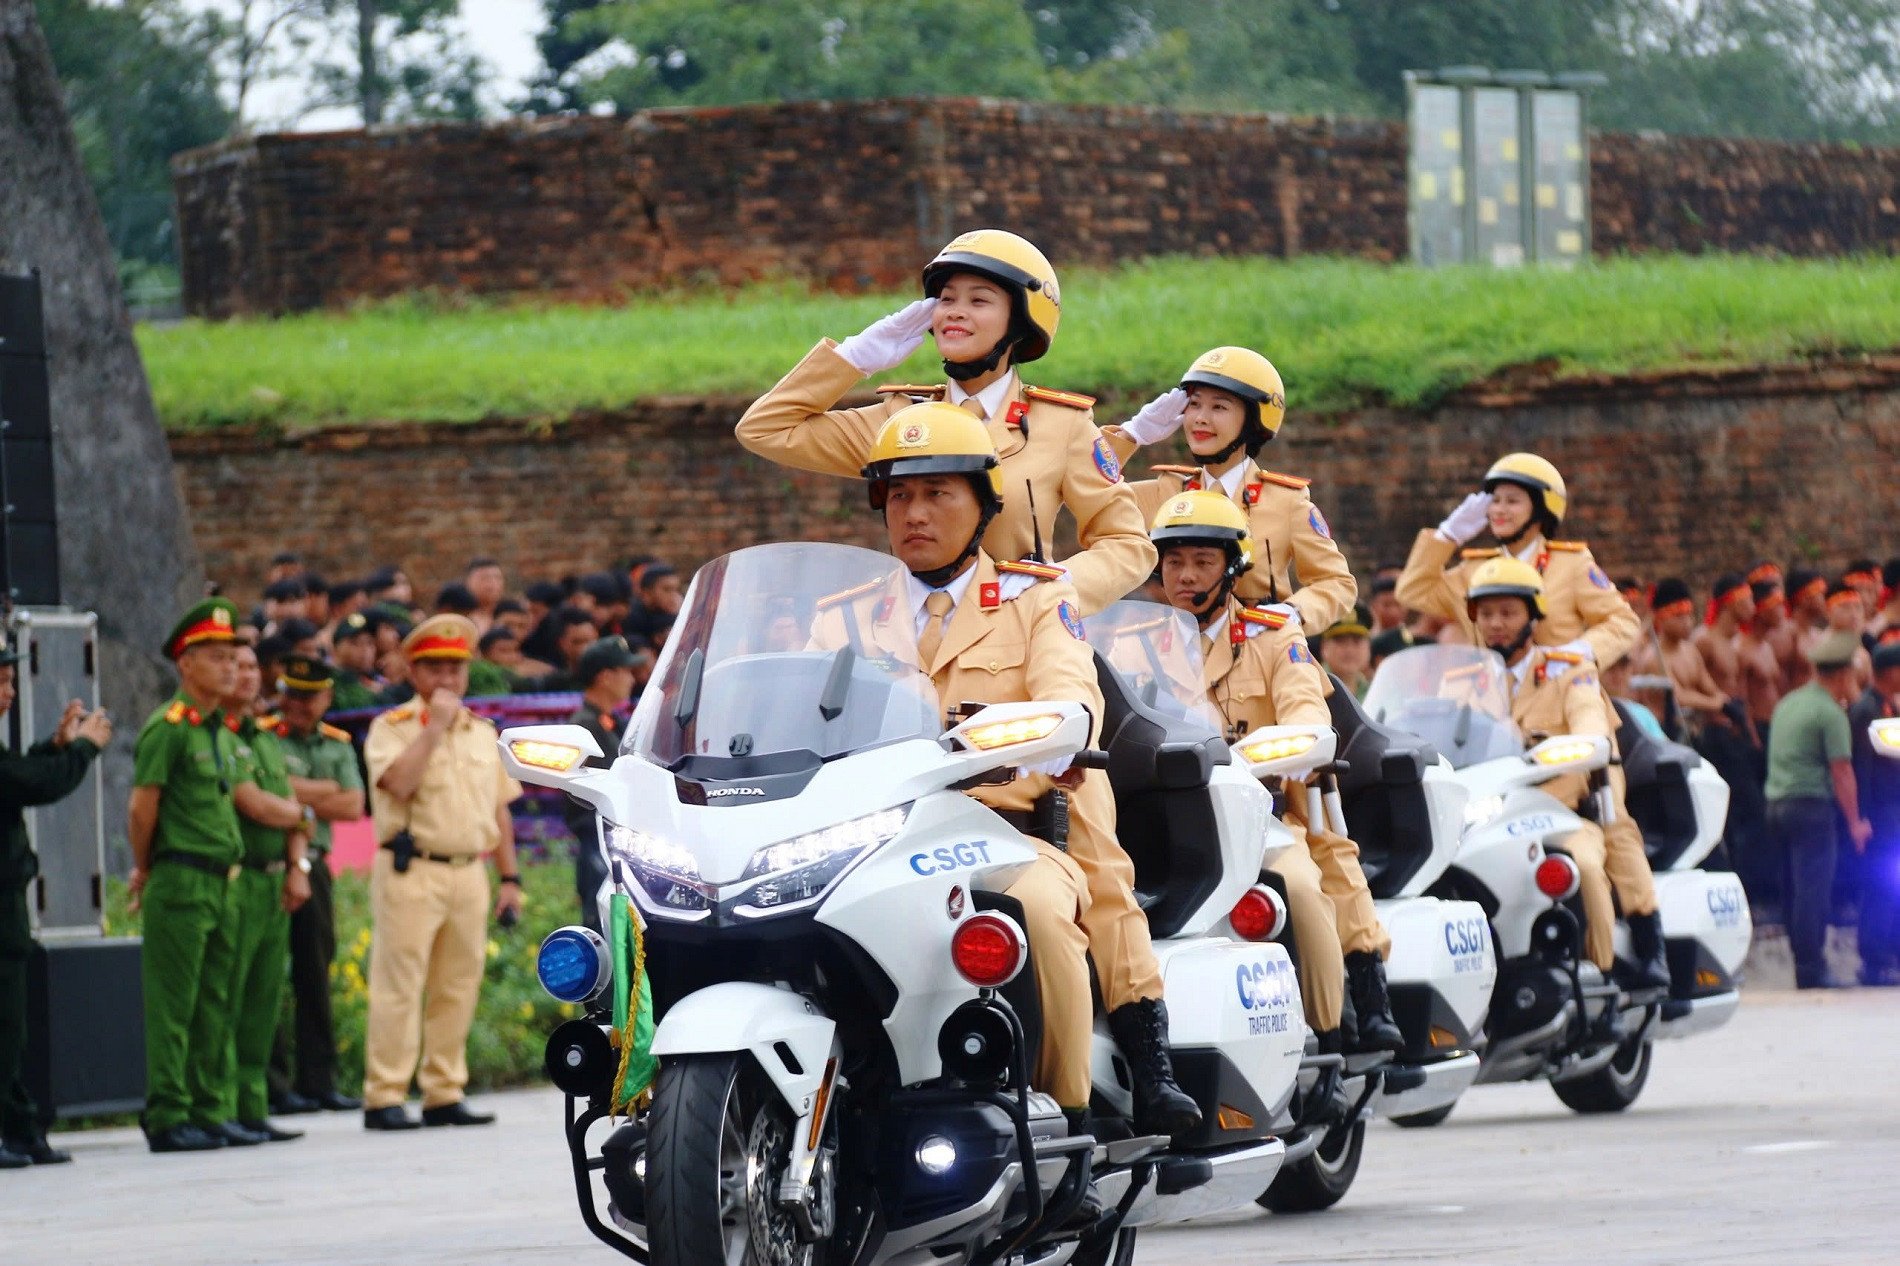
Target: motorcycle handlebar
x=1090, y=758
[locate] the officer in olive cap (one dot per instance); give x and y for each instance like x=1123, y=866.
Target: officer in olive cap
x=1345, y=648
x=606, y=671
x=183, y=829
x=48, y=771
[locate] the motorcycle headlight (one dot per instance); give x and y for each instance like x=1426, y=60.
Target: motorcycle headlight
x=1482, y=810
x=795, y=872
x=666, y=874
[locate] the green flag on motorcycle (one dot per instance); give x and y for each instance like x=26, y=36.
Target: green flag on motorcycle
x=633, y=1009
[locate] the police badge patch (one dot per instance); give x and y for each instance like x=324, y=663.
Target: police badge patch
x=1318, y=520
x=1298, y=654
x=1107, y=462
x=1071, y=620
x=1598, y=579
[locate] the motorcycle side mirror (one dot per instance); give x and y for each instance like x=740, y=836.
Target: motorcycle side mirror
x=547, y=755
x=1567, y=754
x=1884, y=733
x=1008, y=735
x=1287, y=751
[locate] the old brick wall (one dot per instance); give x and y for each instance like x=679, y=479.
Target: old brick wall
x=1690, y=472
x=854, y=195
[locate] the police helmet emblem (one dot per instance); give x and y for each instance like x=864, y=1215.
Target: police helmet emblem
x=1215, y=359
x=914, y=435
x=1182, y=505
x=1050, y=288
x=221, y=617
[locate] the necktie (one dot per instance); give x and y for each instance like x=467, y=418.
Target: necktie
x=938, y=606
x=1207, y=648
x=974, y=407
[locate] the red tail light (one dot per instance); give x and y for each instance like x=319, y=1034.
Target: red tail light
x=988, y=950
x=1259, y=915
x=1558, y=877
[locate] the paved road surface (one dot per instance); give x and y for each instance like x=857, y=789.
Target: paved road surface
x=1776, y=1140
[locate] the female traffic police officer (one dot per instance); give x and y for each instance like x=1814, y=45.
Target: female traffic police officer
x=1231, y=402
x=935, y=477
x=1523, y=501
x=1259, y=672
x=992, y=303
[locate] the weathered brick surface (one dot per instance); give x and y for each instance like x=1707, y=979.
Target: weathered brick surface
x=1690, y=472
x=853, y=195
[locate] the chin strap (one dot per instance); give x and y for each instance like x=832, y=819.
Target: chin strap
x=965, y=370
x=938, y=577
x=1517, y=643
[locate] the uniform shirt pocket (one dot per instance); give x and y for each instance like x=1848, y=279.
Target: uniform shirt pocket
x=993, y=657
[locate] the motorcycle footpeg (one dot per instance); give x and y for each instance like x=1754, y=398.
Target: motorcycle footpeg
x=1176, y=1174
x=1402, y=1077
x=1123, y=1151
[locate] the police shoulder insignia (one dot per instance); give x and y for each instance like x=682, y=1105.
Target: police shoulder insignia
x=913, y=391
x=1317, y=522
x=1563, y=657
x=1071, y=620
x=1069, y=399
x=1186, y=472
x=1475, y=554
x=1568, y=547
x=845, y=595
x=400, y=714
x=1030, y=567
x=1599, y=579
x=336, y=732
x=1298, y=654
x=1106, y=461
x=1285, y=481
x=275, y=724
x=176, y=712
x=1263, y=618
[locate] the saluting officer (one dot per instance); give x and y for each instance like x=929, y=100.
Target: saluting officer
x=1231, y=402
x=440, y=799
x=183, y=827
x=1523, y=501
x=1258, y=671
x=50, y=770
x=274, y=881
x=992, y=303
x=324, y=777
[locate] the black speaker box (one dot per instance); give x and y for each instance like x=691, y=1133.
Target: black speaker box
x=85, y=1001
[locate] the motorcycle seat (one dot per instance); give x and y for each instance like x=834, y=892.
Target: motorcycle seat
x=1657, y=792
x=1382, y=790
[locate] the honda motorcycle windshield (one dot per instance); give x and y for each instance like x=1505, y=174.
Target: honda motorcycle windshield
x=1457, y=698
x=785, y=656
x=1157, y=651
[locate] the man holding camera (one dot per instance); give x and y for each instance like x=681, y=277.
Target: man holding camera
x=440, y=798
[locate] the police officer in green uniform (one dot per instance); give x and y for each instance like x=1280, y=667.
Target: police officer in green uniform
x=48, y=771
x=274, y=880
x=606, y=673
x=183, y=827
x=324, y=775
x=354, y=642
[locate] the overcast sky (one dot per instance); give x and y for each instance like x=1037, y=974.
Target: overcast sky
x=500, y=31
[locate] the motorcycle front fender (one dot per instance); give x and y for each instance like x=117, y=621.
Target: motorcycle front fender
x=785, y=1033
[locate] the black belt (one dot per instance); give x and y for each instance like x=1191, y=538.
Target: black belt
x=447, y=859
x=1047, y=819
x=193, y=861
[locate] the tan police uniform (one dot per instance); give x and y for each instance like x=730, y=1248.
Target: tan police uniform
x=1259, y=672
x=430, y=923
x=1557, y=692
x=1046, y=440
x=1291, y=537
x=1580, y=602
x=1013, y=651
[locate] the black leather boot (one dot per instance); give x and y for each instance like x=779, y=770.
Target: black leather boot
x=1161, y=1106
x=1650, y=966
x=1327, y=1103
x=1365, y=981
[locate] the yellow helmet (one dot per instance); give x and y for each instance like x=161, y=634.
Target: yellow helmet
x=1507, y=577
x=934, y=438
x=1534, y=475
x=1015, y=263
x=1205, y=518
x=1252, y=377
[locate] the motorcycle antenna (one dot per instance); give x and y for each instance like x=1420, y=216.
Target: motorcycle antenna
x=1035, y=526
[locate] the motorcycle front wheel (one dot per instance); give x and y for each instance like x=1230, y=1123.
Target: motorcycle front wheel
x=1612, y=1087
x=1321, y=1180
x=720, y=1140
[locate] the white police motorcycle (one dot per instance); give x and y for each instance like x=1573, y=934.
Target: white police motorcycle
x=1441, y=968
x=1553, y=1015
x=844, y=1026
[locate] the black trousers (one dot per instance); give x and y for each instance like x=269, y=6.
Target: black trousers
x=312, y=1030
x=1735, y=759
x=1804, y=828
x=19, y=1118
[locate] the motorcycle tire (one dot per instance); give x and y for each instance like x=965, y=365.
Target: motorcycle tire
x=714, y=1133
x=1321, y=1180
x=1611, y=1088
x=1424, y=1120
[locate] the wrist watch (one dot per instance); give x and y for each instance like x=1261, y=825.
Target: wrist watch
x=509, y=879
x=303, y=863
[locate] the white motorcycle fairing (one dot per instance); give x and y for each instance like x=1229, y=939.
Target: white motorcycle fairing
x=737, y=1015
x=1442, y=955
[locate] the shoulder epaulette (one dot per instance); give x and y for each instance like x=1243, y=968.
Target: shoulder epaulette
x=275, y=724
x=911, y=389
x=1029, y=567
x=1479, y=553
x=176, y=712
x=1265, y=619
x=336, y=732
x=845, y=595
x=1286, y=481
x=400, y=714
x=1186, y=472
x=1069, y=399
x=1568, y=547
x=1563, y=657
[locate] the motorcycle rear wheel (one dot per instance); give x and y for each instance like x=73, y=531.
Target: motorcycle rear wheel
x=1320, y=1180
x=719, y=1141
x=1613, y=1087
x=1424, y=1120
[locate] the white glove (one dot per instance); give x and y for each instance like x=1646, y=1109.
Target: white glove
x=1053, y=768
x=1580, y=647
x=888, y=341
x=1158, y=419
x=1015, y=584
x=1467, y=520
